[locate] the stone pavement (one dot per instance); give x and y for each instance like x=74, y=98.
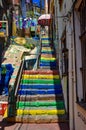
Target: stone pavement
x=19, y=126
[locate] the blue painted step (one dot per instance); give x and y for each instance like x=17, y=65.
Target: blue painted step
x=48, y=52
x=48, y=64
x=40, y=86
x=48, y=38
x=35, y=92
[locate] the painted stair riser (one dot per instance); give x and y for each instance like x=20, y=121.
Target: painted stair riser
x=59, y=105
x=48, y=61
x=46, y=45
x=39, y=97
x=45, y=58
x=39, y=112
x=40, y=77
x=47, y=49
x=41, y=72
x=40, y=107
x=48, y=52
x=41, y=81
x=47, y=39
x=40, y=86
x=38, y=119
x=48, y=67
x=47, y=55
x=36, y=92
x=46, y=64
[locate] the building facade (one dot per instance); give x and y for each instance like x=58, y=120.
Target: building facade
x=70, y=26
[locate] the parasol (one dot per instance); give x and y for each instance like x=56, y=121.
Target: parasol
x=45, y=19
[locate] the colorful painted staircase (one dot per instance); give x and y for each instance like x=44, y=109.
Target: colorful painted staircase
x=40, y=96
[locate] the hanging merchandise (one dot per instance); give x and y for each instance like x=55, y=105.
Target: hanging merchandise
x=32, y=28
x=0, y=25
x=38, y=3
x=28, y=1
x=24, y=23
x=23, y=5
x=20, y=23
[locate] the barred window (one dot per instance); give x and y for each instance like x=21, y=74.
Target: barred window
x=64, y=58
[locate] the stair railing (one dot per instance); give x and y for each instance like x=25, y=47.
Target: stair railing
x=13, y=92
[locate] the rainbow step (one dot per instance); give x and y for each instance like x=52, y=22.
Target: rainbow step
x=41, y=71
x=53, y=63
x=38, y=119
x=47, y=55
x=36, y=91
x=39, y=76
x=40, y=81
x=46, y=38
x=41, y=97
x=39, y=112
x=48, y=52
x=48, y=64
x=48, y=59
x=59, y=104
x=40, y=86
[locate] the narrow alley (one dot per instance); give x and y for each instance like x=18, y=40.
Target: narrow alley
x=42, y=64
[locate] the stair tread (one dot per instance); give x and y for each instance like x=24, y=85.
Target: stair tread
x=41, y=108
x=40, y=97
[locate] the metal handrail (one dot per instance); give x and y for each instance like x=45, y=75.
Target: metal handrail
x=19, y=77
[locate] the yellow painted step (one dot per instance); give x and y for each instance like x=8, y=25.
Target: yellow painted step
x=44, y=58
x=40, y=76
x=40, y=112
x=47, y=48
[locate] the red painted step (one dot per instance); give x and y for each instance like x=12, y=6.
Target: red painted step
x=47, y=55
x=41, y=71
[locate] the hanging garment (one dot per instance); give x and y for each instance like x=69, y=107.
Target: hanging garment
x=23, y=6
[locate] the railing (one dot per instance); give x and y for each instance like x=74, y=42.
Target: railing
x=13, y=92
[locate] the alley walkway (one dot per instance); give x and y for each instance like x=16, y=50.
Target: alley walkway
x=19, y=126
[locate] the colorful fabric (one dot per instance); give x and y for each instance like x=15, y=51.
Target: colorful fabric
x=39, y=3
x=23, y=5
x=27, y=1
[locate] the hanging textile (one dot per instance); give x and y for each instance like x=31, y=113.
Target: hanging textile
x=28, y=1
x=38, y=3
x=23, y=6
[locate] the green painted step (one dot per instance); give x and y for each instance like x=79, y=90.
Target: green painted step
x=42, y=103
x=41, y=81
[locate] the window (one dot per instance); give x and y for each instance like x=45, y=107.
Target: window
x=60, y=4
x=64, y=57
x=83, y=44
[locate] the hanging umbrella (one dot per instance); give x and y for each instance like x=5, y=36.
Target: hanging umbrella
x=45, y=19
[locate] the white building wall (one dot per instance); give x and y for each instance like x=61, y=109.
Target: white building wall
x=77, y=115
x=80, y=113
x=63, y=23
